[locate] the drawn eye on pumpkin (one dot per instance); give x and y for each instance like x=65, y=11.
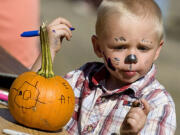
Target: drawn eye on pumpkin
x=28, y=93
x=20, y=92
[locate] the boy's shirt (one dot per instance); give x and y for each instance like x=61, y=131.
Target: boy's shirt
x=99, y=111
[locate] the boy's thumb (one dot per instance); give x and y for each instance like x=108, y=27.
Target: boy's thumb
x=142, y=103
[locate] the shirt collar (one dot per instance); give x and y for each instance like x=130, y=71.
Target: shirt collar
x=101, y=74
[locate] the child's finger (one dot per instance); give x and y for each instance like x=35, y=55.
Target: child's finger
x=142, y=103
x=63, y=34
x=133, y=115
x=60, y=34
x=131, y=122
x=59, y=28
x=146, y=106
x=60, y=21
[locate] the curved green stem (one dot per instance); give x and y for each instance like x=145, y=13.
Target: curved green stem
x=50, y=65
x=42, y=70
x=46, y=66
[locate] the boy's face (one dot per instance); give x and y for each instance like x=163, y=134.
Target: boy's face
x=129, y=47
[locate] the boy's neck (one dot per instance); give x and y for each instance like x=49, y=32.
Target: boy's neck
x=111, y=84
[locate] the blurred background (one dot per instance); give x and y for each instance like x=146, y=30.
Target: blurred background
x=17, y=16
x=82, y=15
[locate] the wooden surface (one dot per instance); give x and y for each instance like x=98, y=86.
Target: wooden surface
x=7, y=122
x=10, y=68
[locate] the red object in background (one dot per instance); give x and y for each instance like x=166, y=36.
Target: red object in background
x=17, y=16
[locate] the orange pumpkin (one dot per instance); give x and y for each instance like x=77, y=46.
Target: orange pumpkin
x=41, y=100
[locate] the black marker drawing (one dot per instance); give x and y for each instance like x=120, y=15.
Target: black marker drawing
x=62, y=98
x=29, y=94
x=146, y=41
x=54, y=31
x=130, y=59
x=65, y=85
x=116, y=61
x=117, y=39
x=120, y=39
x=109, y=63
x=68, y=99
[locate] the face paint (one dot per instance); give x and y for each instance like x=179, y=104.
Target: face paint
x=109, y=63
x=120, y=39
x=130, y=59
x=130, y=67
x=116, y=61
x=116, y=39
x=54, y=31
x=146, y=41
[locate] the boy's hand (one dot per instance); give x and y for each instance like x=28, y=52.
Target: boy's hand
x=135, y=118
x=57, y=30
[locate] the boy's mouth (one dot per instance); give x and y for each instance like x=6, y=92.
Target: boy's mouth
x=130, y=73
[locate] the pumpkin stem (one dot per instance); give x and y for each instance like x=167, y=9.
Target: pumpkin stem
x=46, y=66
x=50, y=65
x=42, y=70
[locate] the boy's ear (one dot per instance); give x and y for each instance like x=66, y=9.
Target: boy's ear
x=96, y=46
x=159, y=49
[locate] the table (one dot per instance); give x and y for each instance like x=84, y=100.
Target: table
x=10, y=68
x=7, y=122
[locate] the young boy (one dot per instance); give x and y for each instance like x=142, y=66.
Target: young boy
x=121, y=95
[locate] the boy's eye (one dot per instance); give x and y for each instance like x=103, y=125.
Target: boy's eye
x=143, y=48
x=120, y=47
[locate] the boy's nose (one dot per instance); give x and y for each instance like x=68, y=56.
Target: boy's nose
x=131, y=59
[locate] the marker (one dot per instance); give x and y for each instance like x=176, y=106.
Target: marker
x=13, y=132
x=35, y=33
x=3, y=95
x=4, y=92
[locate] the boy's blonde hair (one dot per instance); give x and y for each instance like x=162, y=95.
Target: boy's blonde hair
x=138, y=8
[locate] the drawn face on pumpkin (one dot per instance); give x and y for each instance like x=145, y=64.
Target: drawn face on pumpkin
x=28, y=93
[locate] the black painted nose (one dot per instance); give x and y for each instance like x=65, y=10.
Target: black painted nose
x=131, y=59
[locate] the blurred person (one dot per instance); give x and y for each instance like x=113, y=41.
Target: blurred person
x=120, y=95
x=17, y=16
